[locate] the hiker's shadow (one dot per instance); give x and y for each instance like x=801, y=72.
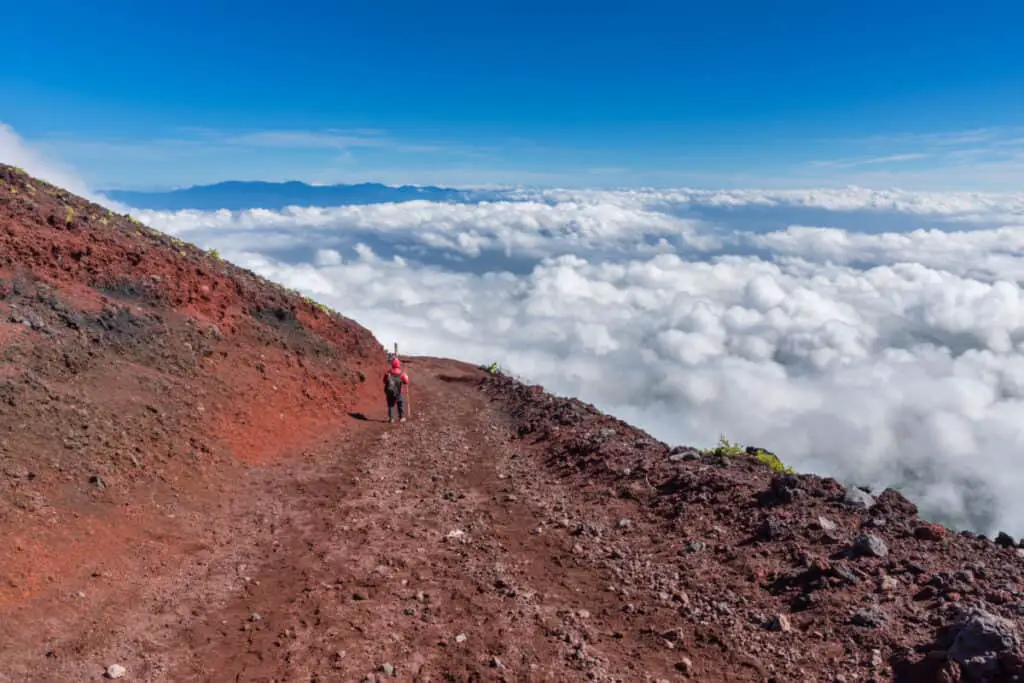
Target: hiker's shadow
x=362, y=418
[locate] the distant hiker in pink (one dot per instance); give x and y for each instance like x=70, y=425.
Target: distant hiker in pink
x=395, y=387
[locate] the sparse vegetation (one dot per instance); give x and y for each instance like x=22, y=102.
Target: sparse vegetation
x=725, y=448
x=494, y=368
x=214, y=254
x=70, y=216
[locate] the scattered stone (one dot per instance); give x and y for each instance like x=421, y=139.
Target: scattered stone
x=461, y=638
x=623, y=524
x=684, y=454
x=858, y=498
x=98, y=482
x=388, y=669
x=115, y=671
x=772, y=529
x=784, y=489
x=684, y=666
x=496, y=663
x=870, y=545
x=696, y=546
x=845, y=573
x=780, y=623
x=826, y=524
x=888, y=584
x=869, y=617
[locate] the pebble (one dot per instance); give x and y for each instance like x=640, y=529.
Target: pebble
x=780, y=623
x=116, y=671
x=461, y=638
x=388, y=669
x=684, y=666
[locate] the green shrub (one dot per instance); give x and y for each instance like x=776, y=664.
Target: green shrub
x=725, y=448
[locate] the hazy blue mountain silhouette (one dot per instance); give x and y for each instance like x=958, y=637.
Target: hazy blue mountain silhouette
x=238, y=195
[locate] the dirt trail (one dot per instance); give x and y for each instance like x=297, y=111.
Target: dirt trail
x=426, y=546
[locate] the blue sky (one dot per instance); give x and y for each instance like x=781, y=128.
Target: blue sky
x=908, y=94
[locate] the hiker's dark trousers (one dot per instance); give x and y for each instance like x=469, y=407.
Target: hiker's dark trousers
x=396, y=401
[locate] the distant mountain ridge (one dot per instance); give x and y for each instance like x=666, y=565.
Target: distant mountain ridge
x=236, y=195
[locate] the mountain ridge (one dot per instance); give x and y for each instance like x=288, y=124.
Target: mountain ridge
x=238, y=195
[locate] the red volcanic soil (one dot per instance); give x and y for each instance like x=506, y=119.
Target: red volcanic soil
x=196, y=484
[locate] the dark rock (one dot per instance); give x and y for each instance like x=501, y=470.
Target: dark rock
x=845, y=573
x=684, y=453
x=772, y=529
x=696, y=546
x=869, y=617
x=98, y=482
x=1004, y=540
x=802, y=602
x=870, y=545
x=979, y=640
x=784, y=490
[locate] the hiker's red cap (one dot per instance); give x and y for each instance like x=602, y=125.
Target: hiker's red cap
x=395, y=363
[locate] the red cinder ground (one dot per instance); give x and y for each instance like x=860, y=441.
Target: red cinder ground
x=197, y=483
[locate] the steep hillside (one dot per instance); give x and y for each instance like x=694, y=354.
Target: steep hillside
x=196, y=484
x=128, y=358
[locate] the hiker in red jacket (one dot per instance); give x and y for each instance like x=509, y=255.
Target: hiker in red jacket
x=395, y=383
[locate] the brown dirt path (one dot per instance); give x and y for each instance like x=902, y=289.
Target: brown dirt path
x=430, y=547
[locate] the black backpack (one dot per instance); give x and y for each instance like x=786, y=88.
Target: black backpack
x=393, y=387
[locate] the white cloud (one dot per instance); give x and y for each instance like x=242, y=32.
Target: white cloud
x=15, y=152
x=877, y=357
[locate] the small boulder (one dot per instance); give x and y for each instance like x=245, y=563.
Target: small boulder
x=980, y=639
x=892, y=503
x=1004, y=540
x=115, y=671
x=858, y=498
x=870, y=545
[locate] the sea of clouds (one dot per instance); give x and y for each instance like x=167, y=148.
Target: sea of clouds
x=873, y=336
